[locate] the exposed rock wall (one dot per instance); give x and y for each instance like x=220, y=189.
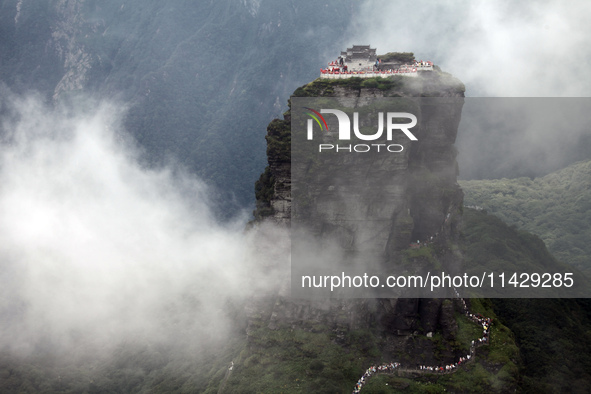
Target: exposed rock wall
x=425, y=203
x=427, y=173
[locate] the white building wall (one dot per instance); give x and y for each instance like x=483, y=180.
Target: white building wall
x=368, y=74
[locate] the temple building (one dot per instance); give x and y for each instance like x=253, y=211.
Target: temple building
x=361, y=61
x=359, y=57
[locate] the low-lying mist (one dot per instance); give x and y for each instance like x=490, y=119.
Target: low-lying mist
x=498, y=49
x=504, y=49
x=97, y=249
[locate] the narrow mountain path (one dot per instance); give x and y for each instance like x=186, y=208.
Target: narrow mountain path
x=396, y=367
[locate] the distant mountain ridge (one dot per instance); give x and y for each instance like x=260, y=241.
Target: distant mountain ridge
x=556, y=207
x=200, y=79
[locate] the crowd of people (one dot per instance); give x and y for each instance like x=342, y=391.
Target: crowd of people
x=339, y=66
x=385, y=368
x=477, y=318
x=447, y=367
x=423, y=63
x=485, y=322
x=345, y=70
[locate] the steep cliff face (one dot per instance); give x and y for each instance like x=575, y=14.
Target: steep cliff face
x=432, y=157
x=425, y=203
x=428, y=198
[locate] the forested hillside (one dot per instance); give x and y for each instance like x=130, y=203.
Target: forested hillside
x=556, y=207
x=552, y=334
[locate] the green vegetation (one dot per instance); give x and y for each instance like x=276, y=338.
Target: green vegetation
x=264, y=189
x=131, y=368
x=424, y=256
x=554, y=341
x=496, y=365
x=279, y=140
x=297, y=361
x=552, y=334
x=321, y=87
x=278, y=151
x=556, y=207
x=492, y=245
x=400, y=57
x=326, y=87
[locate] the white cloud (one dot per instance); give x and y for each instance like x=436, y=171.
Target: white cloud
x=501, y=48
x=94, y=244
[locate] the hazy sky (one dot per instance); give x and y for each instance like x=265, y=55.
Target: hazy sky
x=497, y=48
